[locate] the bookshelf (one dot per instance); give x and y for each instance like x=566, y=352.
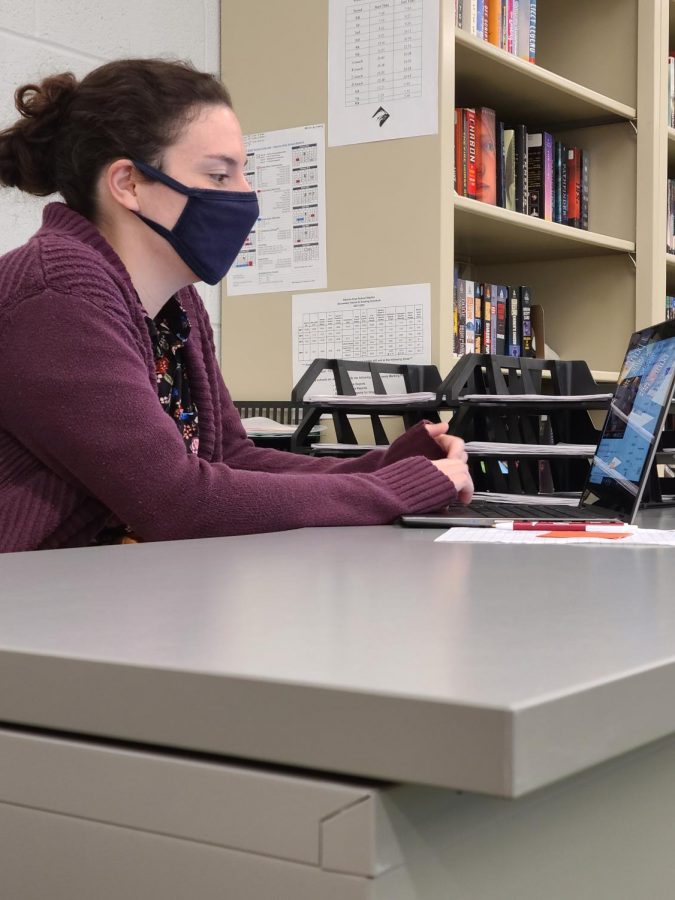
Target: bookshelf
x=595, y=286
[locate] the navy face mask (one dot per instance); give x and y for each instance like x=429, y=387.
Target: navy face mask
x=211, y=229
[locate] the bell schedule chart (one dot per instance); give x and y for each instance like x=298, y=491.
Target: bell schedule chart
x=382, y=69
x=390, y=324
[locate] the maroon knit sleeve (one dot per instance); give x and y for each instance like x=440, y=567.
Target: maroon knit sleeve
x=76, y=394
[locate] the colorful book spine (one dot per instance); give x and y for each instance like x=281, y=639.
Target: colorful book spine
x=480, y=12
x=574, y=187
x=461, y=304
x=560, y=159
x=535, y=174
x=470, y=143
x=455, y=314
x=564, y=191
x=549, y=176
x=520, y=138
x=486, y=156
x=523, y=49
x=526, y=320
x=513, y=322
x=487, y=318
x=533, y=32
x=509, y=156
x=499, y=162
x=494, y=18
x=509, y=26
x=583, y=214
x=470, y=329
x=459, y=148
x=502, y=294
x=478, y=317
x=493, y=319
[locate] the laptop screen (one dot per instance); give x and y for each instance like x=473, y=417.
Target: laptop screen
x=633, y=425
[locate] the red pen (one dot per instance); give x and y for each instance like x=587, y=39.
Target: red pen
x=599, y=524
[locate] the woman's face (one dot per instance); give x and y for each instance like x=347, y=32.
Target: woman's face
x=209, y=153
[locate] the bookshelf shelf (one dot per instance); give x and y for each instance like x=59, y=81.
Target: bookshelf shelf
x=488, y=76
x=485, y=233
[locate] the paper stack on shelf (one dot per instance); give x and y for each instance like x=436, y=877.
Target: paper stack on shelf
x=481, y=448
x=371, y=399
x=553, y=399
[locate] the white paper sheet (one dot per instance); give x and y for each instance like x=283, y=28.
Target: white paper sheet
x=382, y=70
x=388, y=324
x=286, y=249
x=637, y=537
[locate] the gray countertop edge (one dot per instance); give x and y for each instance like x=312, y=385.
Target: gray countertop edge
x=502, y=752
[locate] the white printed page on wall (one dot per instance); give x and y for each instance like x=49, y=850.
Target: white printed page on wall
x=382, y=70
x=387, y=324
x=286, y=249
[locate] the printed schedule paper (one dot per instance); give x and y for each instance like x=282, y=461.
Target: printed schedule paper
x=286, y=248
x=382, y=70
x=388, y=324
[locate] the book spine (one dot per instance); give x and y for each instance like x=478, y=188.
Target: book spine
x=509, y=154
x=573, y=187
x=499, y=163
x=557, y=178
x=514, y=27
x=504, y=25
x=494, y=18
x=564, y=189
x=526, y=320
x=521, y=169
x=474, y=16
x=487, y=318
x=478, y=317
x=470, y=320
x=458, y=151
x=548, y=176
x=524, y=29
x=461, y=294
x=583, y=213
x=509, y=26
x=486, y=156
x=493, y=318
x=500, y=333
x=480, y=12
x=465, y=155
x=533, y=32
x=459, y=13
x=535, y=173
x=455, y=313
x=470, y=137
x=513, y=324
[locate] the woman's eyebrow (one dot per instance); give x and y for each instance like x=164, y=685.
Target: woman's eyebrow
x=222, y=158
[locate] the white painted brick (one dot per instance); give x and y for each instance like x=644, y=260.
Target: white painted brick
x=18, y=15
x=124, y=28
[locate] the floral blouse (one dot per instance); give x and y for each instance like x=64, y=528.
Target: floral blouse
x=169, y=332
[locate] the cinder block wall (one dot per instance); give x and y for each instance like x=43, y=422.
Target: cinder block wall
x=40, y=37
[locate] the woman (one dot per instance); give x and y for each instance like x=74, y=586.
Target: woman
x=115, y=423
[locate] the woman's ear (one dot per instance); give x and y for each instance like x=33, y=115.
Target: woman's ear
x=121, y=179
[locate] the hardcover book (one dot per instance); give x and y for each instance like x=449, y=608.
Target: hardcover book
x=526, y=320
x=501, y=292
x=486, y=156
x=470, y=321
x=520, y=140
x=513, y=323
x=509, y=157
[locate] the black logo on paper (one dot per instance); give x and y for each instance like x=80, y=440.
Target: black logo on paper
x=381, y=115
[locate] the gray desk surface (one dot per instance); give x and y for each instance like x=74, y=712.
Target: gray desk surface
x=365, y=651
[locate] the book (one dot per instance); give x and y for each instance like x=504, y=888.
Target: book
x=493, y=321
x=532, y=36
x=459, y=150
x=486, y=156
x=470, y=330
x=509, y=26
x=469, y=142
x=461, y=311
x=501, y=292
x=523, y=42
x=583, y=213
x=494, y=18
x=560, y=160
x=526, y=320
x=499, y=164
x=513, y=323
x=487, y=318
x=536, y=174
x=509, y=159
x=564, y=195
x=520, y=141
x=478, y=317
x=455, y=314
x=574, y=187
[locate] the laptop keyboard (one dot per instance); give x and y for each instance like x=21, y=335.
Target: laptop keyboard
x=531, y=511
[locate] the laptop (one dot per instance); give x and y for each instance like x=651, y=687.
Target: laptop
x=625, y=453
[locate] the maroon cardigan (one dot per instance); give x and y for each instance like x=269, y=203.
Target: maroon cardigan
x=84, y=441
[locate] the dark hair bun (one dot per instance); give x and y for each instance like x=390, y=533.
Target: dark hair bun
x=27, y=147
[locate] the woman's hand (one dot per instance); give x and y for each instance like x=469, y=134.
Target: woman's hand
x=454, y=466
x=452, y=446
x=458, y=473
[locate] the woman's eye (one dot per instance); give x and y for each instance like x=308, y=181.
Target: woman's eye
x=220, y=178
